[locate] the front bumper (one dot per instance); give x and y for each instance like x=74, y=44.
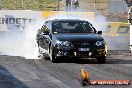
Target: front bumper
x=92, y=52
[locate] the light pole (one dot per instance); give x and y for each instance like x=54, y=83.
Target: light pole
x=94, y=5
x=0, y=4
x=58, y=5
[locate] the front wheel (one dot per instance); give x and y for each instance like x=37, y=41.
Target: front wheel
x=101, y=59
x=52, y=55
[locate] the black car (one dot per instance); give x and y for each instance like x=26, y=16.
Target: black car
x=71, y=38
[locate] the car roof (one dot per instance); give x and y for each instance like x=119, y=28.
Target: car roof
x=54, y=20
x=69, y=20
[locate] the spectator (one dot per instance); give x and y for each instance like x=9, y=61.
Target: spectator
x=130, y=15
x=128, y=2
x=68, y=3
x=75, y=3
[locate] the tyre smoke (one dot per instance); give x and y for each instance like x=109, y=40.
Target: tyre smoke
x=21, y=43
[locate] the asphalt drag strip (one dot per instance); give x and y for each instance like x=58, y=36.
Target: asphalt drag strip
x=18, y=72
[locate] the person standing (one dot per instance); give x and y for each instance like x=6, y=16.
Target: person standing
x=68, y=4
x=128, y=3
x=75, y=4
x=130, y=15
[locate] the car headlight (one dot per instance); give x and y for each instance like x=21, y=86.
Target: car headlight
x=64, y=43
x=100, y=43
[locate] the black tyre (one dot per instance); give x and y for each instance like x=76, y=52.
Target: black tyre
x=101, y=60
x=53, y=59
x=52, y=56
x=40, y=54
x=85, y=82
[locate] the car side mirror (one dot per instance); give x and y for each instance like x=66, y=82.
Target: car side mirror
x=45, y=32
x=99, y=32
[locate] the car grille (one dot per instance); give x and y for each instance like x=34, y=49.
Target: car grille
x=83, y=43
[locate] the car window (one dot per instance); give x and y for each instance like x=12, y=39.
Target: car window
x=72, y=27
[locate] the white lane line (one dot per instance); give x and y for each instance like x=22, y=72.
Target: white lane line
x=128, y=65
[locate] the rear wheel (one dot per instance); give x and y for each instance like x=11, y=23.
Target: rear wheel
x=101, y=59
x=40, y=54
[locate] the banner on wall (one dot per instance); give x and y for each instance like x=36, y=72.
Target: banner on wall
x=17, y=20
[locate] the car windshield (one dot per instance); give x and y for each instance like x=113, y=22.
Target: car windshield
x=72, y=27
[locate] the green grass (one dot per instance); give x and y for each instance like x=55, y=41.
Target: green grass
x=28, y=4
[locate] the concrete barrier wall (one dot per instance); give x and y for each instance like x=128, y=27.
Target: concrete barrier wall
x=117, y=35
x=86, y=15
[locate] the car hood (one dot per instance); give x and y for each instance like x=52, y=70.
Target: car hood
x=78, y=37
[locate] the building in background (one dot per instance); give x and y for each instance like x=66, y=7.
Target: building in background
x=111, y=5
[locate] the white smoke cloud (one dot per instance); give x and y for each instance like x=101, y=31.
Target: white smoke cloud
x=23, y=43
